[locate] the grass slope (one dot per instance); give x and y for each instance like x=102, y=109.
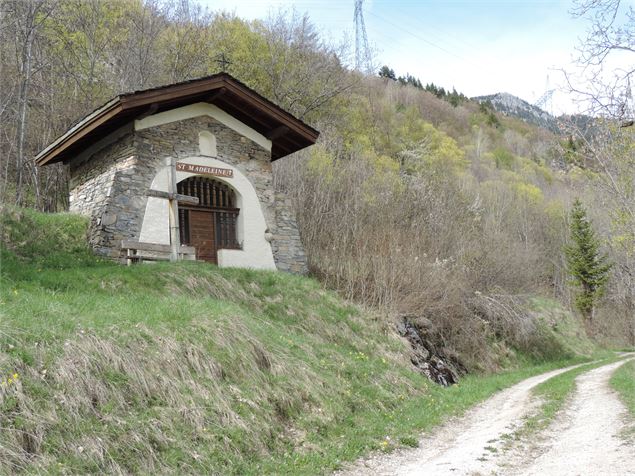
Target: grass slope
x=192, y=369
x=623, y=380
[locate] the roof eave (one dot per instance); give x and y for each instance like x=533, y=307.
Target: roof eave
x=94, y=119
x=131, y=101
x=285, y=117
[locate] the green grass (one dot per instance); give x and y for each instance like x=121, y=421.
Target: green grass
x=193, y=369
x=623, y=381
x=559, y=331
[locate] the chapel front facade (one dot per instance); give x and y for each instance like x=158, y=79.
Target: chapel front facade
x=220, y=139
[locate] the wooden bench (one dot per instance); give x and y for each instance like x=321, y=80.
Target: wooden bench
x=138, y=252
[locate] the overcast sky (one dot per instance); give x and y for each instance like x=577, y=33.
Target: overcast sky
x=479, y=47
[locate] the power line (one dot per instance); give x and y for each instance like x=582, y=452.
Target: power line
x=442, y=35
x=417, y=36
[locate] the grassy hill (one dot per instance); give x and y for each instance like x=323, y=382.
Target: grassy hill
x=193, y=369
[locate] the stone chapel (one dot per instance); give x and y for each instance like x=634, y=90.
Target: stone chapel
x=215, y=139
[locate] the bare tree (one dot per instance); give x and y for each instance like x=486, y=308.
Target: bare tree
x=606, y=58
x=135, y=61
x=303, y=71
x=24, y=19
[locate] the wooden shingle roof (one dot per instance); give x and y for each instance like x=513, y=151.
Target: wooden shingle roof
x=287, y=133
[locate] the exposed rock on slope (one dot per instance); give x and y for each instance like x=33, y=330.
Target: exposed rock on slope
x=511, y=105
x=425, y=357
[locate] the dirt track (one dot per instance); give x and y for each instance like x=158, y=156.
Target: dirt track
x=583, y=440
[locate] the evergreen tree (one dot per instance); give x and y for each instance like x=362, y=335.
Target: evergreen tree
x=487, y=108
x=386, y=72
x=454, y=98
x=431, y=88
x=571, y=152
x=412, y=81
x=588, y=268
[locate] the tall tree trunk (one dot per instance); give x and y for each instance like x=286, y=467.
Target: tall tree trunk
x=23, y=97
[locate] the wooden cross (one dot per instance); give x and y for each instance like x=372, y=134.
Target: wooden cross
x=173, y=204
x=223, y=61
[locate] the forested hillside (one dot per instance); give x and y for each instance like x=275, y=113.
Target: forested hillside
x=443, y=213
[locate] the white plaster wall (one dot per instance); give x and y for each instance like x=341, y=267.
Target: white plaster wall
x=256, y=250
x=207, y=143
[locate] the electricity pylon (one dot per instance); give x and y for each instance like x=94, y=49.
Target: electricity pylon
x=362, y=50
x=544, y=102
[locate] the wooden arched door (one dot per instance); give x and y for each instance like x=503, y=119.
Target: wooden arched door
x=210, y=225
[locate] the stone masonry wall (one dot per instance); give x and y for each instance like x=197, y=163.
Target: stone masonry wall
x=91, y=181
x=288, y=251
x=180, y=140
x=103, y=188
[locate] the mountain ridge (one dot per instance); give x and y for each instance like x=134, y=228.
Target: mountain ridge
x=511, y=105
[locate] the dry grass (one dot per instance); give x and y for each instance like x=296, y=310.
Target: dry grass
x=184, y=369
x=219, y=394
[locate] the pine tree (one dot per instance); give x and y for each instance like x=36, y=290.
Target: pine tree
x=386, y=72
x=588, y=268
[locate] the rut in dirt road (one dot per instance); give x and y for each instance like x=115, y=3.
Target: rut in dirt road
x=463, y=446
x=585, y=439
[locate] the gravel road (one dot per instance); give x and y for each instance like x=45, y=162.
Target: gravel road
x=583, y=440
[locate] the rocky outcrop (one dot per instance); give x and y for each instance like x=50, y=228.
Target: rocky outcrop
x=425, y=356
